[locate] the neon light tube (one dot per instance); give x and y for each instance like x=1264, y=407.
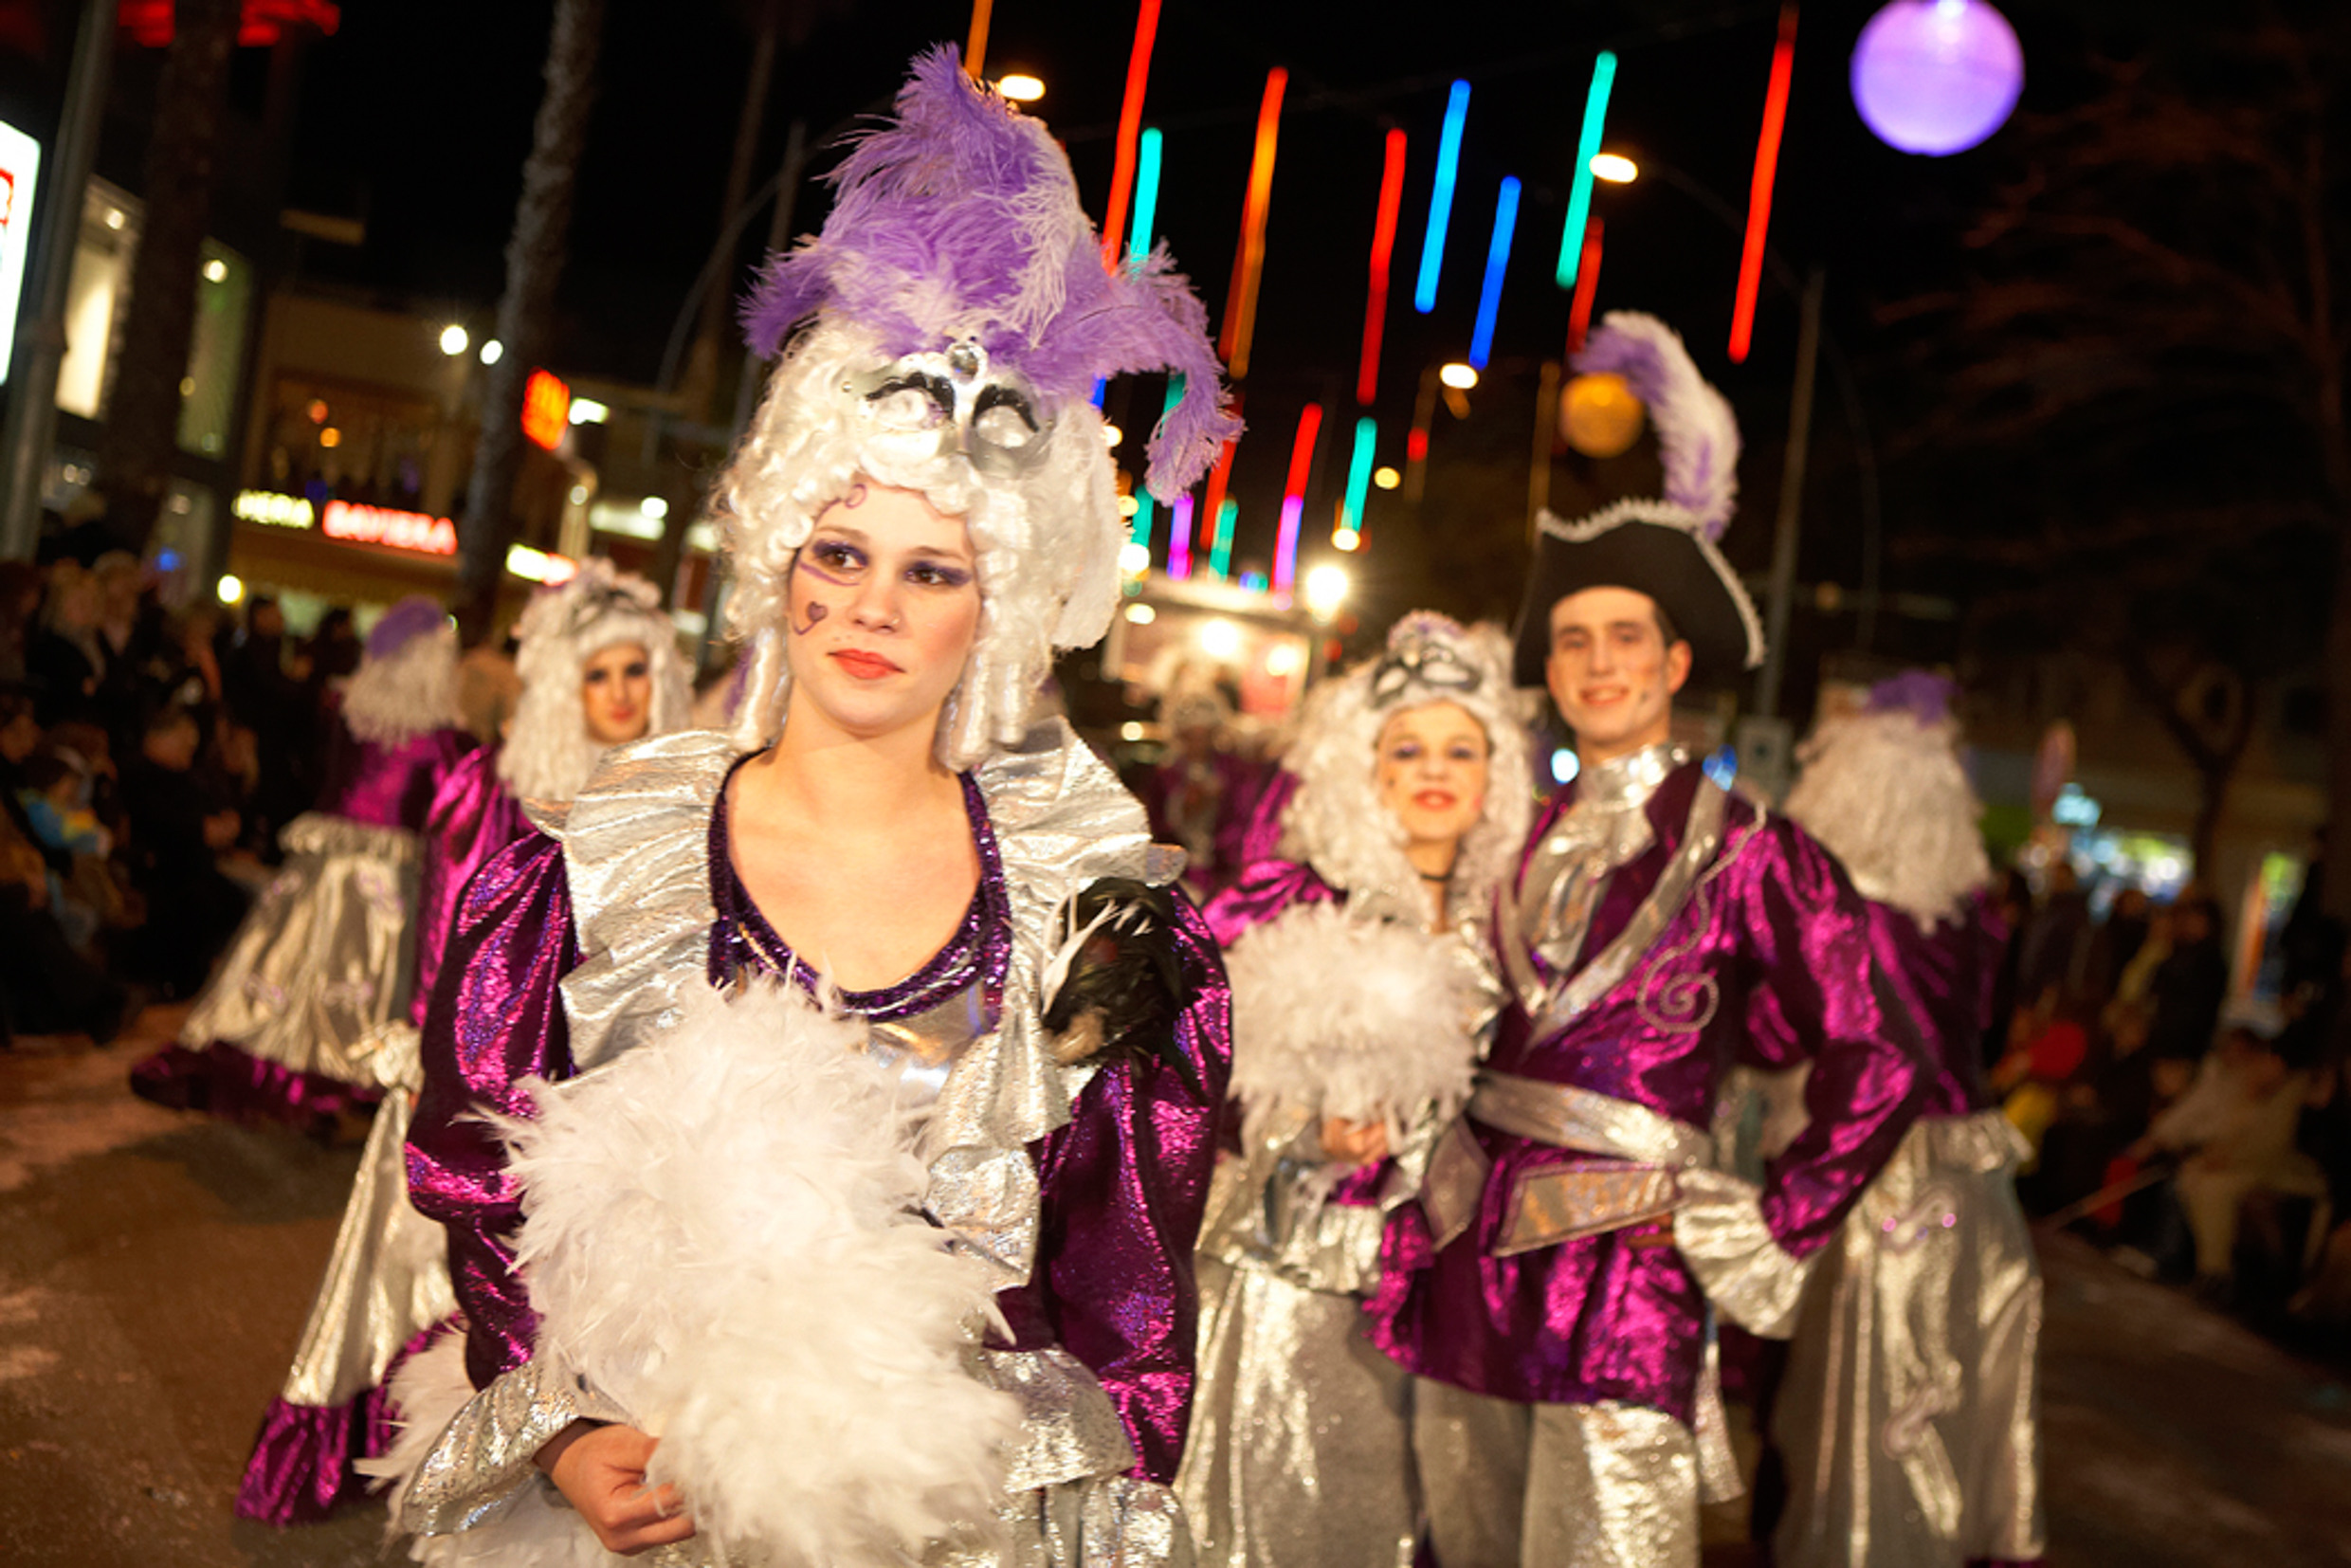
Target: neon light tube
x=1218, y=478
x=1139, y=531
x=976, y=48
x=1497, y=265
x=1360, y=475
x=1146, y=197
x=1294, y=497
x=1441, y=199
x=1383, y=251
x=1220, y=553
x=1179, y=537
x=1587, y=284
x=1759, y=192
x=1587, y=147
x=1130, y=121
x=1248, y=263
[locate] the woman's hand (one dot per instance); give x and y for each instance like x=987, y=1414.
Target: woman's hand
x=600, y=1471
x=1356, y=1143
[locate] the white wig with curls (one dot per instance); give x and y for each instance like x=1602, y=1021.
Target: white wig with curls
x=1886, y=793
x=1335, y=822
x=548, y=755
x=1046, y=539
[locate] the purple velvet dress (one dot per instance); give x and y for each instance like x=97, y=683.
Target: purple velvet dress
x=1751, y=948
x=473, y=816
x=324, y=958
x=1120, y=1185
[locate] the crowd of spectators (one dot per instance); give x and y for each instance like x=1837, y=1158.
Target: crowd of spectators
x=148, y=760
x=2200, y=1140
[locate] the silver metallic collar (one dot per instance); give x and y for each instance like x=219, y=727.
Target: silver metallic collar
x=1628, y=781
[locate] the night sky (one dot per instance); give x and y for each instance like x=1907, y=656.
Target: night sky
x=418, y=113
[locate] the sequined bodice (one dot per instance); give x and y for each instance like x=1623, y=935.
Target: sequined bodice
x=923, y=1023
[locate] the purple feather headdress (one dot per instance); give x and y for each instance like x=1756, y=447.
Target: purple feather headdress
x=1697, y=435
x=959, y=222
x=1925, y=696
x=412, y=617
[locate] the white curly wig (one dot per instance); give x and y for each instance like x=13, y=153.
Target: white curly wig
x=1884, y=791
x=1045, y=540
x=406, y=685
x=548, y=755
x=1335, y=822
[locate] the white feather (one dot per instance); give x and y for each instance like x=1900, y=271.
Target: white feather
x=722, y=1234
x=1344, y=1016
x=1887, y=796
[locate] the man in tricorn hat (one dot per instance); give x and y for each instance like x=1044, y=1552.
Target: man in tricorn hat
x=1554, y=1287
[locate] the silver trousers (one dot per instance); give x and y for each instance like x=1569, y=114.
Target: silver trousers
x=1511, y=1485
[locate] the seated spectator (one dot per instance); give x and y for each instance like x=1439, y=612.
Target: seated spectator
x=2190, y=983
x=2236, y=1127
x=176, y=830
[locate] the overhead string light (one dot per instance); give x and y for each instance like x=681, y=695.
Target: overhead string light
x=1220, y=548
x=1587, y=147
x=1760, y=190
x=1383, y=252
x=1146, y=197
x=1441, y=199
x=1140, y=531
x=1496, y=268
x=1179, y=537
x=1349, y=534
x=1130, y=124
x=1249, y=261
x=1587, y=284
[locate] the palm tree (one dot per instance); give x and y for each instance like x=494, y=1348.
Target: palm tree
x=534, y=256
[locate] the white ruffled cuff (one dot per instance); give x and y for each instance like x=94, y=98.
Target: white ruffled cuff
x=1746, y=1273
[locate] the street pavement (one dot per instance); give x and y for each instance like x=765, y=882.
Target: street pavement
x=155, y=1267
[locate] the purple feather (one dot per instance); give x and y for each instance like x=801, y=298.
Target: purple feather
x=405, y=622
x=960, y=218
x=1697, y=436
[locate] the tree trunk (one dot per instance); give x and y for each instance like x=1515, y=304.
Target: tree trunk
x=535, y=255
x=2336, y=890
x=142, y=417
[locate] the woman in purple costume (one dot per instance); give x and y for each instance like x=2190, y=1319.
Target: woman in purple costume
x=921, y=513
x=1358, y=1000
x=289, y=1025
x=1908, y=1417
x=600, y=667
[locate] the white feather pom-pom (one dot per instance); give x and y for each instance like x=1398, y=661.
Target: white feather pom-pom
x=724, y=1235
x=1344, y=1016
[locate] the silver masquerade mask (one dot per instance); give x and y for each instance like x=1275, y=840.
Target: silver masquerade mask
x=1425, y=662
x=939, y=404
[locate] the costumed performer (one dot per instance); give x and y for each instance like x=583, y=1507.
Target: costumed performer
x=599, y=666
x=1907, y=1418
x=326, y=960
x=1552, y=1288
x=1358, y=995
x=921, y=513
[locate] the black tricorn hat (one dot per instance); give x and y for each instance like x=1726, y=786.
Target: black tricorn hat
x=1651, y=547
x=1659, y=545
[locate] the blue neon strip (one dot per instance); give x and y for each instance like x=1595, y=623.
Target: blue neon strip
x=1579, y=191
x=1146, y=194
x=1359, y=472
x=1441, y=200
x=1497, y=263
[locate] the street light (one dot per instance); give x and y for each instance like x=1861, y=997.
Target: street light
x=1327, y=589
x=1020, y=87
x=1614, y=167
x=1386, y=478
x=492, y=352
x=1459, y=376
x=453, y=340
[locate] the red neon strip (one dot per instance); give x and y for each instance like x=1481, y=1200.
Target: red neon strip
x=1248, y=263
x=1416, y=446
x=1301, y=455
x=1760, y=194
x=1213, y=505
x=1383, y=247
x=1130, y=126
x=1587, y=283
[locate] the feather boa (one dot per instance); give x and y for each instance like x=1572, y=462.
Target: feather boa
x=1345, y=1016
x=722, y=1234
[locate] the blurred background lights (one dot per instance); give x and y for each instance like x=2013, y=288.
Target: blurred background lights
x=1614, y=167
x=587, y=411
x=1140, y=615
x=1284, y=660
x=216, y=271
x=1134, y=559
x=1936, y=76
x=1020, y=87
x=453, y=340
x=1386, y=478
x=1600, y=416
x=1327, y=589
x=230, y=589
x=1564, y=765
x=1458, y=377
x=1220, y=639
x=1112, y=435
x=653, y=507
x=492, y=351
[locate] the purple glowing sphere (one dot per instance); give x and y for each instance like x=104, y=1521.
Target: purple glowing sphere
x=1937, y=76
